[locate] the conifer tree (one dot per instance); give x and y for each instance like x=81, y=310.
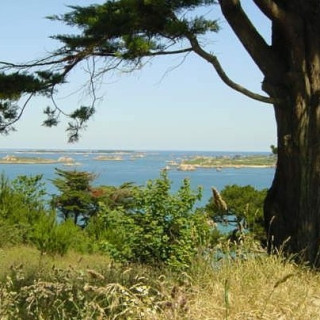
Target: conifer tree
x=76, y=200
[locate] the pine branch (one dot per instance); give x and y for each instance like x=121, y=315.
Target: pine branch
x=7, y=126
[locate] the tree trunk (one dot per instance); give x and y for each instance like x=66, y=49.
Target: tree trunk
x=292, y=206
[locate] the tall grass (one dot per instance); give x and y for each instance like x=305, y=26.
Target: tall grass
x=266, y=287
x=35, y=286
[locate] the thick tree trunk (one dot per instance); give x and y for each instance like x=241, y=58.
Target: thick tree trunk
x=292, y=207
x=291, y=66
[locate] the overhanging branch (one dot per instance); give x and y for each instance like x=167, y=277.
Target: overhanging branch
x=212, y=59
x=223, y=76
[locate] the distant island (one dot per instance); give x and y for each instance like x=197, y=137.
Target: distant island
x=236, y=161
x=35, y=160
x=108, y=158
x=101, y=155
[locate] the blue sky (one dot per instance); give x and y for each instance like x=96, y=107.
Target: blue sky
x=160, y=107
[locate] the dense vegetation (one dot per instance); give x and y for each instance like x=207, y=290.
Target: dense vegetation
x=147, y=224
x=137, y=252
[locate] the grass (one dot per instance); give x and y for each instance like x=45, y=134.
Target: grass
x=264, y=288
x=40, y=265
x=77, y=286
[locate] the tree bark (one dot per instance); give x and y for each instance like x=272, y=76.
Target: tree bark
x=292, y=207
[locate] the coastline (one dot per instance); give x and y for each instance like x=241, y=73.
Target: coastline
x=235, y=162
x=188, y=167
x=237, y=166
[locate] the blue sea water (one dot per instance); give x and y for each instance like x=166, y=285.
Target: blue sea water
x=139, y=167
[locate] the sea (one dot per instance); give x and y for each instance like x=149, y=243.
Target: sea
x=138, y=167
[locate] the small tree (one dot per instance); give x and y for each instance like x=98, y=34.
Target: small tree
x=76, y=200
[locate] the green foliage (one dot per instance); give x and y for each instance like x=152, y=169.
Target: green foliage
x=79, y=116
x=245, y=203
x=12, y=234
x=21, y=206
x=24, y=218
x=76, y=200
x=122, y=196
x=13, y=85
x=131, y=29
x=32, y=188
x=115, y=232
x=160, y=227
x=54, y=238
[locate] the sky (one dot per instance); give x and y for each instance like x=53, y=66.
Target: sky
x=168, y=105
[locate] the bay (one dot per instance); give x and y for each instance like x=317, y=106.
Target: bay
x=138, y=167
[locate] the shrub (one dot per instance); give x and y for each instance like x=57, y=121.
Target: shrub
x=21, y=206
x=57, y=238
x=161, y=227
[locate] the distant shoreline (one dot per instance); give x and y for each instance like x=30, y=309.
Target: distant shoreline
x=66, y=151
x=26, y=160
x=238, y=166
x=192, y=163
x=236, y=162
x=35, y=160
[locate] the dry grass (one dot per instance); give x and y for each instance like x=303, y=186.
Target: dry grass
x=260, y=288
x=264, y=287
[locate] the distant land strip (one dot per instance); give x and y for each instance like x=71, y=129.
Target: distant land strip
x=219, y=162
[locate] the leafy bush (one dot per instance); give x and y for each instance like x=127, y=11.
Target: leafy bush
x=160, y=227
